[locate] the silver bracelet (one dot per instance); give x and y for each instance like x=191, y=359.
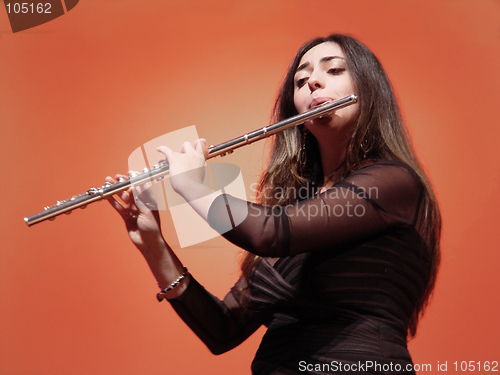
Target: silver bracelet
x=161, y=295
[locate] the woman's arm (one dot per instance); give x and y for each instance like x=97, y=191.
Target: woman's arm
x=221, y=325
x=365, y=204
x=143, y=227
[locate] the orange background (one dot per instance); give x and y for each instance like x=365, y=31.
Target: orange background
x=80, y=93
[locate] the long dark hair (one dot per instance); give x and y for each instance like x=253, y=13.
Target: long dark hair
x=378, y=134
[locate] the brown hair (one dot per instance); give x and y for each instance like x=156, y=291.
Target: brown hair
x=378, y=134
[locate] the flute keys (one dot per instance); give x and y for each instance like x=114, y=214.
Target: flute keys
x=107, y=184
x=92, y=191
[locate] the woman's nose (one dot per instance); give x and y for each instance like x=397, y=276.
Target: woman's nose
x=315, y=82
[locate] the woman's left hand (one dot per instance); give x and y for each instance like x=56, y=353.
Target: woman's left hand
x=186, y=167
x=143, y=224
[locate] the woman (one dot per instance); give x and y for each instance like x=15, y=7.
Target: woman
x=339, y=278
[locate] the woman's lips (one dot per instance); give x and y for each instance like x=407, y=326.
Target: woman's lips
x=316, y=102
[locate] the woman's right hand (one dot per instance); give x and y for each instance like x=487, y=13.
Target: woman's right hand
x=143, y=225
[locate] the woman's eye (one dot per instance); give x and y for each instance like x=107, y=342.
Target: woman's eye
x=300, y=82
x=336, y=71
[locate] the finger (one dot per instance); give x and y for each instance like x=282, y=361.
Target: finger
x=146, y=201
x=125, y=197
x=169, y=154
x=201, y=146
x=186, y=147
x=115, y=180
x=142, y=190
x=118, y=207
x=125, y=209
x=122, y=176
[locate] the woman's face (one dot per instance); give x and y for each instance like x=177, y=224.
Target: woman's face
x=322, y=76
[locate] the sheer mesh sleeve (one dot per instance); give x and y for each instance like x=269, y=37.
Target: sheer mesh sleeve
x=366, y=203
x=221, y=325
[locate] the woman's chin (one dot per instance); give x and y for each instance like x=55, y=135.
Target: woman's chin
x=319, y=121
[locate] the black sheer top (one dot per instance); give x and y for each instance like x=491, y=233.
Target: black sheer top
x=349, y=272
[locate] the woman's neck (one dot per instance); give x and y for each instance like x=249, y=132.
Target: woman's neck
x=333, y=153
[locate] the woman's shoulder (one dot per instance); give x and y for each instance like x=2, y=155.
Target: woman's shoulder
x=392, y=180
x=392, y=186
x=387, y=163
x=395, y=169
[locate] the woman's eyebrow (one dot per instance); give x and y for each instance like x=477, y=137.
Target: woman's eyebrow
x=330, y=58
x=323, y=60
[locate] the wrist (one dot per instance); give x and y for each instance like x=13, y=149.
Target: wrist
x=166, y=269
x=201, y=200
x=176, y=288
x=155, y=250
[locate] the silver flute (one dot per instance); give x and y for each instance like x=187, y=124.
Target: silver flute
x=158, y=171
